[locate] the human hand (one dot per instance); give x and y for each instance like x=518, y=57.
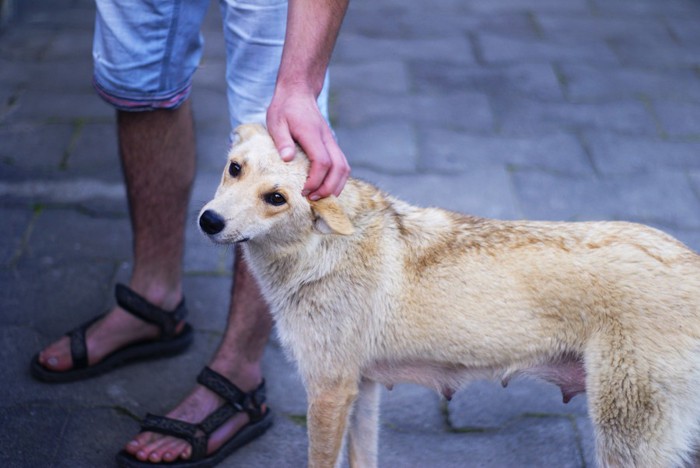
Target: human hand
x=294, y=115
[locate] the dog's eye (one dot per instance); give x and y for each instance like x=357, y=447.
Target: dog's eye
x=234, y=169
x=275, y=199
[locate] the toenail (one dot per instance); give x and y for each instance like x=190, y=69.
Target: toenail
x=133, y=443
x=52, y=361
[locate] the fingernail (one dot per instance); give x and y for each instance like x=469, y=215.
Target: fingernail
x=314, y=197
x=287, y=153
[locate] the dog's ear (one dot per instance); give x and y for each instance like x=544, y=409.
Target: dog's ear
x=330, y=217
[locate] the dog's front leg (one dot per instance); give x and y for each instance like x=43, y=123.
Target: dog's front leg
x=329, y=407
x=364, y=427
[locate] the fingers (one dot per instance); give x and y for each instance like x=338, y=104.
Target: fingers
x=329, y=170
x=283, y=140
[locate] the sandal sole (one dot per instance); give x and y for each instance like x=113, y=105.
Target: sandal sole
x=132, y=353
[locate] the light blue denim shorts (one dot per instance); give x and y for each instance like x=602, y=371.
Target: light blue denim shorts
x=146, y=52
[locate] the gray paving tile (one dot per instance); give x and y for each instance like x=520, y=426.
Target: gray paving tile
x=524, y=116
x=485, y=404
x=653, y=53
x=463, y=110
x=412, y=408
x=570, y=6
x=358, y=48
x=16, y=222
x=448, y=151
x=386, y=146
x=388, y=76
x=498, y=49
x=585, y=26
x=49, y=106
x=664, y=197
x=646, y=7
x=33, y=146
x=679, y=118
x=484, y=191
x=618, y=154
x=528, y=442
x=527, y=79
x=65, y=236
x=584, y=82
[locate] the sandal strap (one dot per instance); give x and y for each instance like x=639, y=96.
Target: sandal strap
x=249, y=402
x=135, y=304
x=180, y=429
x=78, y=344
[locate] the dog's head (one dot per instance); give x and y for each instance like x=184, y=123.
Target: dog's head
x=260, y=196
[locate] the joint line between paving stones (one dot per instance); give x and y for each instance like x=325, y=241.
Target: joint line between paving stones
x=36, y=212
x=78, y=126
x=588, y=152
x=578, y=437
x=648, y=105
x=535, y=24
x=60, y=438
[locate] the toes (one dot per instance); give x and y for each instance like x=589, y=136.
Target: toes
x=57, y=355
x=174, y=450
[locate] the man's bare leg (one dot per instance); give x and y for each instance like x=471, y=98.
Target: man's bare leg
x=238, y=359
x=157, y=149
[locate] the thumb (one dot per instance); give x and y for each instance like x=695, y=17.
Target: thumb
x=283, y=140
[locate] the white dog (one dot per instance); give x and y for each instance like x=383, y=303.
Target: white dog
x=367, y=289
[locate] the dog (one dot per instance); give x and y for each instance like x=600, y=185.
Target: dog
x=367, y=290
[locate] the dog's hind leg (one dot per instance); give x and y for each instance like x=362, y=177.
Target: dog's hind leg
x=327, y=418
x=364, y=427
x=641, y=402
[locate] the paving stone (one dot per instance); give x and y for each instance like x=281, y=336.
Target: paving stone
x=679, y=119
x=69, y=44
x=412, y=408
x=49, y=106
x=653, y=53
x=202, y=256
x=528, y=442
x=39, y=427
x=352, y=48
x=285, y=390
x=646, y=7
x=66, y=236
x=34, y=146
x=386, y=146
x=389, y=76
x=464, y=110
x=53, y=301
x=685, y=29
x=497, y=49
x=485, y=404
x=596, y=83
x=94, y=152
x=27, y=43
x=587, y=26
x=569, y=6
x=212, y=145
x=209, y=104
x=211, y=74
x=587, y=440
x=15, y=223
x=533, y=80
x=524, y=116
x=431, y=23
x=56, y=75
x=617, y=154
x=664, y=197
x=449, y=151
x=92, y=437
x=484, y=191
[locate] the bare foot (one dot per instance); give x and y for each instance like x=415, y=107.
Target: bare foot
x=200, y=403
x=115, y=330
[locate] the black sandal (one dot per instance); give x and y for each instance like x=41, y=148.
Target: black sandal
x=197, y=435
x=168, y=344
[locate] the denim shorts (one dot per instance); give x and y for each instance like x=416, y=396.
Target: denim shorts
x=146, y=52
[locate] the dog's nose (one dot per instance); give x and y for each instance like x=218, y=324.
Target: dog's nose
x=211, y=222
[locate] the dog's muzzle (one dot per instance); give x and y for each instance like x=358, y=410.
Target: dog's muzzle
x=211, y=222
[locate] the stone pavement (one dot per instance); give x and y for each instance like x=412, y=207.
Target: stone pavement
x=542, y=109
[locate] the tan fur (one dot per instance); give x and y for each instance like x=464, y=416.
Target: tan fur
x=369, y=290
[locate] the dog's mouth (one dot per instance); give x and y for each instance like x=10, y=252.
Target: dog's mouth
x=241, y=240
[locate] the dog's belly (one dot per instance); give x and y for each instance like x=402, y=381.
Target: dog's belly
x=567, y=372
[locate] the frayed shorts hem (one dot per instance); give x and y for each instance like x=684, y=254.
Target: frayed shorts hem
x=148, y=102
